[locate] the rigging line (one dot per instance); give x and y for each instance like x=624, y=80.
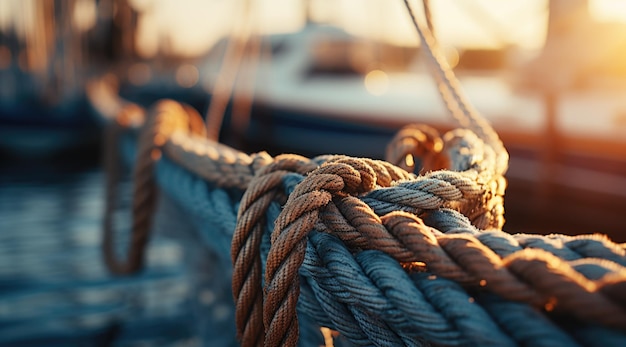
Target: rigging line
x=428, y=15
x=231, y=63
x=450, y=87
x=449, y=101
x=441, y=68
x=243, y=97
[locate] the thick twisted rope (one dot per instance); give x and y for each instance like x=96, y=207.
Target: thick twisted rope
x=246, y=242
x=328, y=199
x=424, y=304
x=164, y=119
x=371, y=284
x=460, y=151
x=532, y=276
x=245, y=246
x=195, y=198
x=282, y=286
x=568, y=248
x=214, y=162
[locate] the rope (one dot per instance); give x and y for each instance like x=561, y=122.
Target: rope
x=164, y=119
x=373, y=287
x=417, y=141
x=369, y=249
x=214, y=206
x=428, y=16
x=246, y=245
x=400, y=260
x=213, y=161
x=471, y=187
x=532, y=276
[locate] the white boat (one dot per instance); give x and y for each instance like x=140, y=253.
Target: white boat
x=302, y=105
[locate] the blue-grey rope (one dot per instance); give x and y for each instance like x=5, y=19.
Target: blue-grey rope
x=568, y=248
x=341, y=291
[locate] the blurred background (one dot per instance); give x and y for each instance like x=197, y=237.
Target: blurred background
x=310, y=77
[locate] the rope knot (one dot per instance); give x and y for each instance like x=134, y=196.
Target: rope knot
x=358, y=177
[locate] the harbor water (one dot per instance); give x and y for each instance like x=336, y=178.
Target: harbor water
x=54, y=287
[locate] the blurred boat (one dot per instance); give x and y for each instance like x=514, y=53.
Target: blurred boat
x=43, y=109
x=322, y=90
x=568, y=154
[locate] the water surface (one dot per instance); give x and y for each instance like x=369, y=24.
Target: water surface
x=54, y=288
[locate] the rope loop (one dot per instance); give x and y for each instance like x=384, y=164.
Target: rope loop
x=470, y=172
x=165, y=118
x=266, y=187
x=417, y=141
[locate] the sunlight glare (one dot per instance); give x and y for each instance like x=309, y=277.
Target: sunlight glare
x=187, y=75
x=452, y=55
x=376, y=82
x=608, y=10
x=192, y=29
x=84, y=16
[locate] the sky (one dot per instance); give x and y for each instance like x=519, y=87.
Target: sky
x=200, y=23
x=192, y=26
x=475, y=23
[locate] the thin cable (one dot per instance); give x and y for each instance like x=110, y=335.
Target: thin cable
x=428, y=15
x=223, y=87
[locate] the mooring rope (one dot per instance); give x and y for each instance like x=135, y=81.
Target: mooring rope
x=414, y=325
x=159, y=126
x=370, y=249
x=364, y=200
x=535, y=277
